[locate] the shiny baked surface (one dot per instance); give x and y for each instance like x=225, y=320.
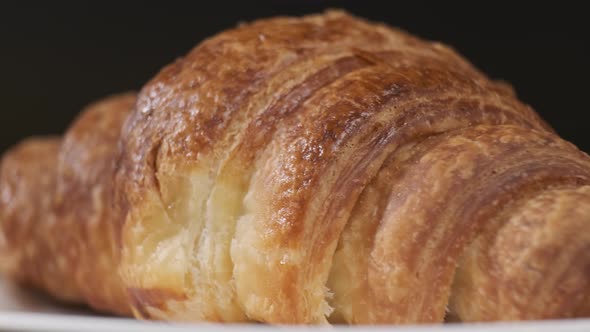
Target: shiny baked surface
x=306, y=170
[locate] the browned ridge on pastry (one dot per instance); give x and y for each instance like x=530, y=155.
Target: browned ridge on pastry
x=306, y=170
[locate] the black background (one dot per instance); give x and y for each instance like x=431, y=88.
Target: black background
x=56, y=57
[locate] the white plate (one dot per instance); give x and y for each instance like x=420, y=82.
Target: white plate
x=28, y=311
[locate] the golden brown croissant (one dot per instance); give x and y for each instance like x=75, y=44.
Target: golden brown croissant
x=305, y=170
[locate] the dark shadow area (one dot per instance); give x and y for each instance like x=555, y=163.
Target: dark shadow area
x=16, y=297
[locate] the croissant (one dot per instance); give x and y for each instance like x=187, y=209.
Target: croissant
x=306, y=170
